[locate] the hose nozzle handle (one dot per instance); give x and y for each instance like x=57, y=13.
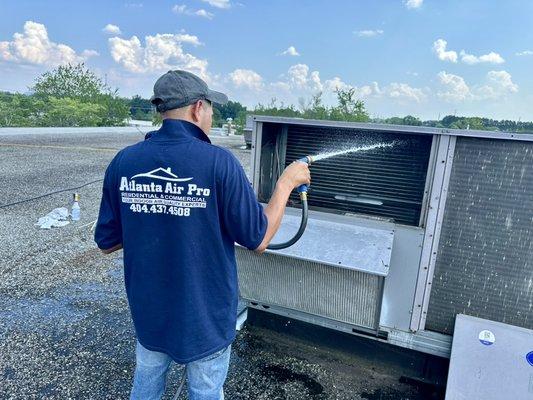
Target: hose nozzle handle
x=303, y=188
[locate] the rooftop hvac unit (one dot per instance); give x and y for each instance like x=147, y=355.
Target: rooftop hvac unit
x=366, y=262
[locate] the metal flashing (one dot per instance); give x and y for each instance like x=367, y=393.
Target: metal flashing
x=398, y=128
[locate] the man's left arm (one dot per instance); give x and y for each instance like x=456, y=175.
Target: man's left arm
x=108, y=231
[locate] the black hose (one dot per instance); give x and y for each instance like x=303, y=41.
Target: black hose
x=295, y=238
x=50, y=193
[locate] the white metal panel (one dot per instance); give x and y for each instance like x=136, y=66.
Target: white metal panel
x=490, y=361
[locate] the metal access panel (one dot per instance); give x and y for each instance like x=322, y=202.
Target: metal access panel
x=336, y=270
x=339, y=294
x=490, y=361
x=484, y=264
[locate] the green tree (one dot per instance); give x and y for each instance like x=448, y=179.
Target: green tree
x=410, y=120
x=279, y=111
x=20, y=110
x=349, y=108
x=141, y=109
x=115, y=109
x=72, y=112
x=77, y=85
x=74, y=81
x=314, y=109
x=232, y=109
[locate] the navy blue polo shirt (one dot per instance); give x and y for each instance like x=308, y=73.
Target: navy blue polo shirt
x=178, y=204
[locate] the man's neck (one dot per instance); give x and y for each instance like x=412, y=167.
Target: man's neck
x=181, y=118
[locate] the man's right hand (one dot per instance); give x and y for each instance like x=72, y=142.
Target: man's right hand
x=296, y=174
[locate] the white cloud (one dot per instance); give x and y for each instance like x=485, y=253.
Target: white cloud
x=179, y=9
x=161, y=52
x=205, y=14
x=413, y=3
x=368, y=90
x=456, y=87
x=5, y=54
x=246, y=78
x=402, y=91
x=365, y=91
x=491, y=58
x=525, y=53
x=280, y=86
x=218, y=3
x=33, y=46
x=112, y=29
x=332, y=85
x=369, y=33
x=499, y=85
x=182, y=9
x=300, y=82
x=89, y=53
x=291, y=51
x=314, y=80
x=298, y=77
x=335, y=84
x=439, y=47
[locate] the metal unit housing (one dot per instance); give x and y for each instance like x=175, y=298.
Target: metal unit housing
x=433, y=240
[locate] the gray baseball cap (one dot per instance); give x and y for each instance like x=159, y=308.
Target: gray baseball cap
x=178, y=88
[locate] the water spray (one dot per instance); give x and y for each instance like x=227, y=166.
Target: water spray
x=302, y=189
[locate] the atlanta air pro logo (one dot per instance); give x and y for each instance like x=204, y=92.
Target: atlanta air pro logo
x=162, y=173
x=160, y=191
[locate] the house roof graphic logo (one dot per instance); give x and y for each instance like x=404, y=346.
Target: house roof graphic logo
x=162, y=173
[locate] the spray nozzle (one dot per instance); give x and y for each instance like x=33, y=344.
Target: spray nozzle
x=306, y=159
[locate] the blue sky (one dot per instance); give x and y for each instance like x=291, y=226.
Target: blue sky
x=421, y=57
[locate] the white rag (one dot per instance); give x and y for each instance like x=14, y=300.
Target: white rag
x=56, y=218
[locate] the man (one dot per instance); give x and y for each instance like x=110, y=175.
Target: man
x=177, y=204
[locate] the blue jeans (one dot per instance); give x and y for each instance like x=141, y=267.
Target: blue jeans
x=205, y=376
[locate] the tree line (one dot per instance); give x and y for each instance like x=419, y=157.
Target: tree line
x=73, y=95
x=70, y=95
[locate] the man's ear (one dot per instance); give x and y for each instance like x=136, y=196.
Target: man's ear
x=196, y=110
